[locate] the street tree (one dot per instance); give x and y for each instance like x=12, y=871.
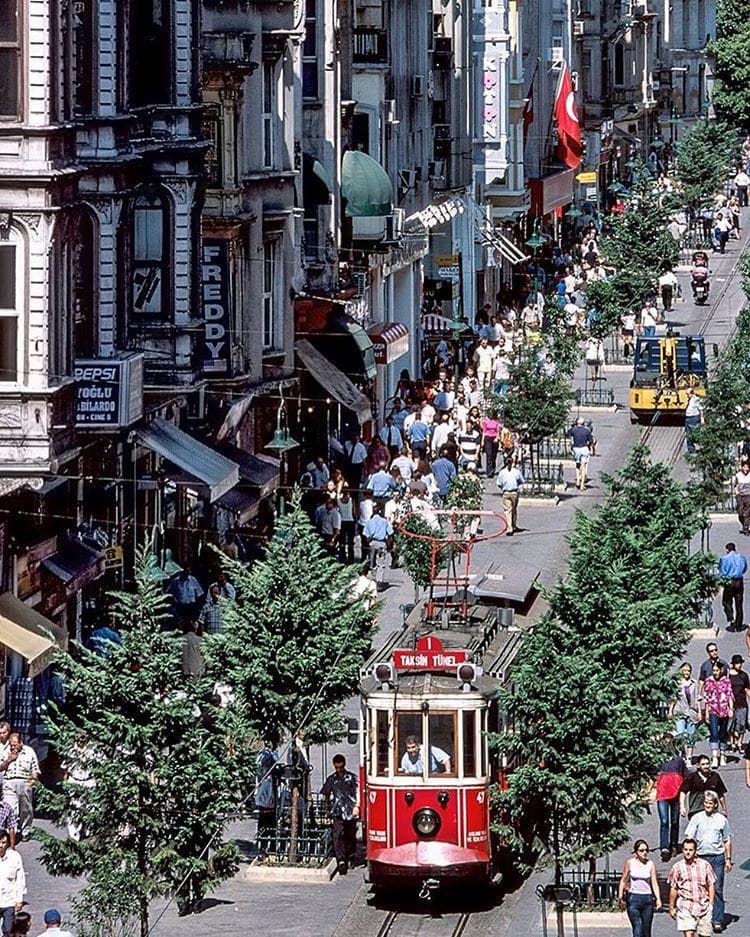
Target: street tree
x=708, y=152
x=731, y=91
x=151, y=784
x=626, y=291
x=725, y=414
x=639, y=242
x=294, y=639
x=591, y=678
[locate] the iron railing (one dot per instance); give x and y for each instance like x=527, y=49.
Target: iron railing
x=594, y=396
x=556, y=447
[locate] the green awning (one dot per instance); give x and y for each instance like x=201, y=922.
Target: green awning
x=316, y=182
x=365, y=186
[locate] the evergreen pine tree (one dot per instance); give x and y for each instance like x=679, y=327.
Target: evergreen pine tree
x=592, y=677
x=708, y=152
x=294, y=639
x=160, y=782
x=731, y=91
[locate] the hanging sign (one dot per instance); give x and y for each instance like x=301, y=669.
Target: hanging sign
x=215, y=307
x=429, y=654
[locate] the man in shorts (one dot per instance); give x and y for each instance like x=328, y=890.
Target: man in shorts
x=583, y=442
x=691, y=892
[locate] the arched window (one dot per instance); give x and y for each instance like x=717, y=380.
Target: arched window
x=149, y=254
x=12, y=305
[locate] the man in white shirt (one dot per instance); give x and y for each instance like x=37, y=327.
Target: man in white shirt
x=484, y=355
x=21, y=771
x=12, y=883
x=404, y=464
x=441, y=433
x=741, y=183
x=667, y=286
x=356, y=454
x=649, y=318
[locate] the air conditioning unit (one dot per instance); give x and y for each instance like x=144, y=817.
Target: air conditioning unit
x=436, y=169
x=390, y=111
x=556, y=54
x=417, y=85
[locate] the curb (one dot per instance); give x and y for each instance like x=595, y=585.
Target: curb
x=611, y=920
x=607, y=408
x=257, y=874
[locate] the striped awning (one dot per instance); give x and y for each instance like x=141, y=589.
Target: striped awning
x=435, y=323
x=504, y=246
x=390, y=340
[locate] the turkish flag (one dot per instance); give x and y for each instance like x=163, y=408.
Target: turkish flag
x=569, y=149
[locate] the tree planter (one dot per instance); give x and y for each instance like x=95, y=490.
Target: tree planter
x=258, y=872
x=612, y=921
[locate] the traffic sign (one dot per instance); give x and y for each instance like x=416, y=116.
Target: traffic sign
x=586, y=178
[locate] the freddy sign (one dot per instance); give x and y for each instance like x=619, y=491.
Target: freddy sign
x=429, y=654
x=215, y=305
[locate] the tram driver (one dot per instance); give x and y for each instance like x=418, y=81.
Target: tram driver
x=411, y=763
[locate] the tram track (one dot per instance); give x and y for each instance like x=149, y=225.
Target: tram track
x=399, y=924
x=671, y=438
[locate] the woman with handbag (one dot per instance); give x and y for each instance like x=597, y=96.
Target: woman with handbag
x=686, y=709
x=638, y=892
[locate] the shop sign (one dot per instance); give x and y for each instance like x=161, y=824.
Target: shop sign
x=215, y=307
x=587, y=178
x=112, y=557
x=109, y=391
x=448, y=266
x=429, y=655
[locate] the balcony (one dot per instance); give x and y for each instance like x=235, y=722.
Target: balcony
x=370, y=46
x=227, y=49
x=36, y=428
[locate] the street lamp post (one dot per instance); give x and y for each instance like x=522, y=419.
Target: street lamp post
x=281, y=443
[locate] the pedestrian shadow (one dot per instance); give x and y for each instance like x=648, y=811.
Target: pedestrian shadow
x=205, y=904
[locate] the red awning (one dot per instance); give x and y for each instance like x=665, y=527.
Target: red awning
x=551, y=192
x=390, y=340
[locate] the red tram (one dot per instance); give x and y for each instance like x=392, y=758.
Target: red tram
x=428, y=702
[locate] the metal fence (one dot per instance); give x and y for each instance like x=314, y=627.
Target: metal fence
x=556, y=447
x=312, y=846
x=594, y=396
x=601, y=889
x=542, y=479
x=614, y=352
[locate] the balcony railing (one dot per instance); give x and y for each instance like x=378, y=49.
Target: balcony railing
x=370, y=45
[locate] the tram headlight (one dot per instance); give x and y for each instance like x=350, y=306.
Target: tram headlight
x=385, y=675
x=426, y=822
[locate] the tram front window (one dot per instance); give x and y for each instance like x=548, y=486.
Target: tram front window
x=436, y=754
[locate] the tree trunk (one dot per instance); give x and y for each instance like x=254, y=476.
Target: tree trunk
x=294, y=831
x=559, y=907
x=590, y=883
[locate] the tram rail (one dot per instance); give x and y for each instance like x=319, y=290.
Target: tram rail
x=398, y=924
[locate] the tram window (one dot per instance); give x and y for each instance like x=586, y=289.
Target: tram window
x=381, y=743
x=442, y=743
x=469, y=742
x=409, y=743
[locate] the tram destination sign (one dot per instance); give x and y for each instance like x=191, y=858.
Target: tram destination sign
x=429, y=654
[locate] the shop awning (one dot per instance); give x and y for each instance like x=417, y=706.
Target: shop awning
x=242, y=504
x=432, y=322
x=316, y=183
x=510, y=251
x=334, y=381
x=192, y=456
x=29, y=634
x=9, y=485
x=256, y=471
x=365, y=186
x=390, y=340
x=551, y=192
x=75, y=565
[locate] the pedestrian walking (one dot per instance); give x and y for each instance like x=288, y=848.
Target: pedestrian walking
x=211, y=617
x=741, y=183
x=509, y=481
x=638, y=892
x=669, y=781
x=667, y=288
x=732, y=569
x=444, y=471
x=348, y=526
x=713, y=835
x=265, y=793
x=691, y=892
x=355, y=453
x=712, y=649
x=22, y=926
x=741, y=485
x=686, y=709
x=695, y=785
x=21, y=771
x=341, y=795
x=187, y=594
x=718, y=701
x=490, y=433
x=378, y=533
x=741, y=693
x=721, y=231
x=53, y=924
x=693, y=418
x=583, y=442
x=12, y=883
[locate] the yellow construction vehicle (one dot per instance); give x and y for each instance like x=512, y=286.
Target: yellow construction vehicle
x=665, y=367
